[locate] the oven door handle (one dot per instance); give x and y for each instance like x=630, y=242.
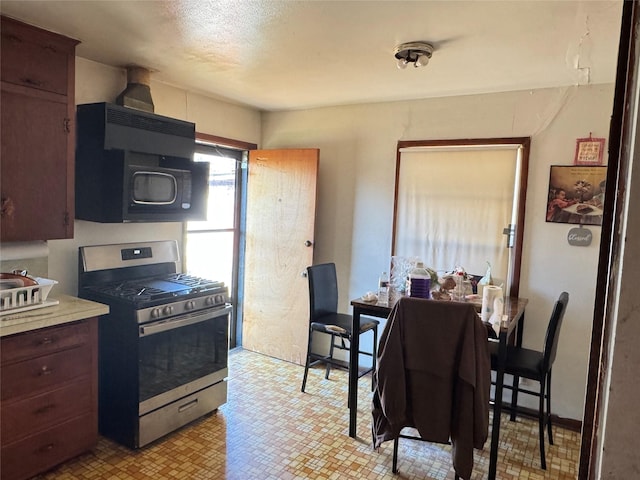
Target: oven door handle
x=182, y=321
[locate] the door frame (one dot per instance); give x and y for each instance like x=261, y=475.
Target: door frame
x=235, y=324
x=622, y=139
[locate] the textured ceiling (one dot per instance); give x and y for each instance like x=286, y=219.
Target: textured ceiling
x=285, y=54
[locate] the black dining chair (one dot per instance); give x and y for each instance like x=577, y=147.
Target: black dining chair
x=324, y=318
x=535, y=365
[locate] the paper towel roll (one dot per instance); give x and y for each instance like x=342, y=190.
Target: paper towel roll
x=489, y=294
x=496, y=316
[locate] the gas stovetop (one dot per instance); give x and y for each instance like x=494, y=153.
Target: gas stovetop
x=143, y=277
x=165, y=287
x=160, y=297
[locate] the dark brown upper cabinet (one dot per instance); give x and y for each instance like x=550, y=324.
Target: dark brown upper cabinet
x=38, y=133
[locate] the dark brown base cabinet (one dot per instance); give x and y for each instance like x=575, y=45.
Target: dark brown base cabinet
x=49, y=399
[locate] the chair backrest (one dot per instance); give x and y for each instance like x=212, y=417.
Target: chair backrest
x=323, y=290
x=553, y=331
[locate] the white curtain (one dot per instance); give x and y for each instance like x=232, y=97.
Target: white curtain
x=452, y=207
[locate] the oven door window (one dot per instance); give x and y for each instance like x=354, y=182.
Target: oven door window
x=175, y=357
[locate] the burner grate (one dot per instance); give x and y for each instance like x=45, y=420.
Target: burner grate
x=193, y=281
x=156, y=288
x=128, y=291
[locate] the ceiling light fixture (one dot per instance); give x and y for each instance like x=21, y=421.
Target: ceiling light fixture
x=417, y=53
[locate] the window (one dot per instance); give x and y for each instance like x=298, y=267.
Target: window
x=461, y=203
x=212, y=246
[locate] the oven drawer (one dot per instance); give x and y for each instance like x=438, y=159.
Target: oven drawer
x=22, y=417
x=35, y=375
x=44, y=341
x=39, y=452
x=173, y=416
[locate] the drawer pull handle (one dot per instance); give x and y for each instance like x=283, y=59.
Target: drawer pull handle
x=13, y=38
x=187, y=406
x=32, y=82
x=46, y=341
x=44, y=409
x=45, y=370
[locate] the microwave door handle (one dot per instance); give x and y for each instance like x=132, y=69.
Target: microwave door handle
x=183, y=321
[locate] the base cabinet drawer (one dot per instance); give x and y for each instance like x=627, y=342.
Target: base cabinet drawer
x=24, y=417
x=46, y=372
x=44, y=342
x=29, y=456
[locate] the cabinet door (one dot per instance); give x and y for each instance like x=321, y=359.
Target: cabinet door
x=36, y=178
x=35, y=58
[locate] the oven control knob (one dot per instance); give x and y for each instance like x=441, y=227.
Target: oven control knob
x=219, y=299
x=190, y=305
x=155, y=313
x=209, y=301
x=168, y=310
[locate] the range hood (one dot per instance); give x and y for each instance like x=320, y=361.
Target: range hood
x=106, y=126
x=137, y=94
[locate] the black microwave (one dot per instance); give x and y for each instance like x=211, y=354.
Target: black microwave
x=140, y=187
x=134, y=166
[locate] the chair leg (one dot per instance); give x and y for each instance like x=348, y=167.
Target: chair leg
x=349, y=370
x=394, y=466
x=514, y=397
x=374, y=352
x=549, y=433
x=328, y=365
x=306, y=365
x=541, y=417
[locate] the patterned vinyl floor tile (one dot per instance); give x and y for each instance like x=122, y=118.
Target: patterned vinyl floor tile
x=268, y=429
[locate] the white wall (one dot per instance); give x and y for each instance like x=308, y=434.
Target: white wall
x=356, y=187
x=356, y=190
x=96, y=82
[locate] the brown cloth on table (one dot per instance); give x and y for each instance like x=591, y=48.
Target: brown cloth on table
x=434, y=374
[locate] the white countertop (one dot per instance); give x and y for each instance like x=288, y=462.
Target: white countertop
x=69, y=309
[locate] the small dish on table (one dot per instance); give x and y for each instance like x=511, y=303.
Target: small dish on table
x=370, y=297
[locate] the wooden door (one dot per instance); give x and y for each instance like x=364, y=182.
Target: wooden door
x=281, y=203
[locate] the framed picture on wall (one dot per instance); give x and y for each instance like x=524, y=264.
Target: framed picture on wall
x=589, y=151
x=576, y=194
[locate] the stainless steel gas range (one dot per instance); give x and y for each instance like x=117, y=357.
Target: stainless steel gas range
x=163, y=347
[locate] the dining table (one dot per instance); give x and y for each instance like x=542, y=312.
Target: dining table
x=510, y=331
